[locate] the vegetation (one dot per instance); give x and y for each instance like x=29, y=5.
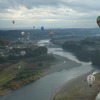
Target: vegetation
x=17, y=70
x=72, y=93
x=85, y=50
x=79, y=91
x=22, y=79
x=12, y=77
x=4, y=42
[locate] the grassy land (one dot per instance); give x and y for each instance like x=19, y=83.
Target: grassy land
x=73, y=92
x=79, y=91
x=13, y=77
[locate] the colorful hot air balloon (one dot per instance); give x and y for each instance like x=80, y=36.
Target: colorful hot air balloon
x=42, y=28
x=98, y=21
x=90, y=79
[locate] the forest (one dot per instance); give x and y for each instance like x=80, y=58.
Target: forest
x=87, y=50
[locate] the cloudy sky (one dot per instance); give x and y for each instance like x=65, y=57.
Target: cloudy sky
x=49, y=13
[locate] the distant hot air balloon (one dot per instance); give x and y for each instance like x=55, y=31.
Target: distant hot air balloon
x=28, y=38
x=22, y=33
x=6, y=46
x=13, y=21
x=51, y=33
x=18, y=47
x=33, y=27
x=42, y=28
x=23, y=53
x=11, y=48
x=98, y=21
x=18, y=38
x=19, y=67
x=28, y=33
x=90, y=79
x=2, y=53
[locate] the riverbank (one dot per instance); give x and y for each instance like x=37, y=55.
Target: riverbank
x=23, y=72
x=78, y=89
x=60, y=64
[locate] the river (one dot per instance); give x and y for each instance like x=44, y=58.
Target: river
x=44, y=88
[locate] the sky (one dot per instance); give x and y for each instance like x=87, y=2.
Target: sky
x=49, y=13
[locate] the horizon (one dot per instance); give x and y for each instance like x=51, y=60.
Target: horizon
x=7, y=29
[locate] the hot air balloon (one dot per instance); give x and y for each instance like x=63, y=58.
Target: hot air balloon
x=23, y=53
x=90, y=79
x=18, y=38
x=19, y=67
x=28, y=33
x=22, y=33
x=18, y=47
x=98, y=21
x=42, y=28
x=33, y=27
x=27, y=38
x=13, y=21
x=51, y=34
x=1, y=53
x=6, y=46
x=11, y=48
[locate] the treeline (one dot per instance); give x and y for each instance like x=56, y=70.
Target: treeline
x=22, y=79
x=15, y=54
x=13, y=35
x=4, y=42
x=29, y=52
x=85, y=50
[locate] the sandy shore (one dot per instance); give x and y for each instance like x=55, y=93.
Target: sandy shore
x=62, y=64
x=77, y=89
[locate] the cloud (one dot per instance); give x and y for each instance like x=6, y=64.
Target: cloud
x=62, y=12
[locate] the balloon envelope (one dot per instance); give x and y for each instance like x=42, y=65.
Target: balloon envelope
x=42, y=28
x=51, y=33
x=13, y=21
x=28, y=33
x=11, y=47
x=18, y=38
x=19, y=66
x=22, y=33
x=98, y=21
x=1, y=52
x=90, y=79
x=23, y=53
